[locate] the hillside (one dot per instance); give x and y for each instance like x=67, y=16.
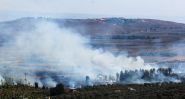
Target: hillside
x=154, y=40
x=34, y=51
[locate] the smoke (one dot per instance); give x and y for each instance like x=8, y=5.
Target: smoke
x=1, y=79
x=49, y=55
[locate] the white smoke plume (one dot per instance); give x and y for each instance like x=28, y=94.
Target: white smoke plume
x=63, y=51
x=1, y=79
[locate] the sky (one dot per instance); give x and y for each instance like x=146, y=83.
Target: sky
x=172, y=10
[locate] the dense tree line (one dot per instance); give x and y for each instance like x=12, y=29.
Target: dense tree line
x=152, y=75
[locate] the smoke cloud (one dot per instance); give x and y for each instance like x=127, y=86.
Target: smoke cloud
x=49, y=54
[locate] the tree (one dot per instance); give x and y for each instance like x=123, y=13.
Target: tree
x=36, y=85
x=121, y=78
x=87, y=80
x=59, y=89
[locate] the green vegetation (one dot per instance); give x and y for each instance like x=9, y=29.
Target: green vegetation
x=115, y=91
x=10, y=89
x=21, y=91
x=132, y=91
x=166, y=90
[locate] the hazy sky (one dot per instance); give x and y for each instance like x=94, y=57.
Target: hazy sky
x=159, y=9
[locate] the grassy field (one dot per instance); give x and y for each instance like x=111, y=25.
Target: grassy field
x=22, y=92
x=132, y=91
